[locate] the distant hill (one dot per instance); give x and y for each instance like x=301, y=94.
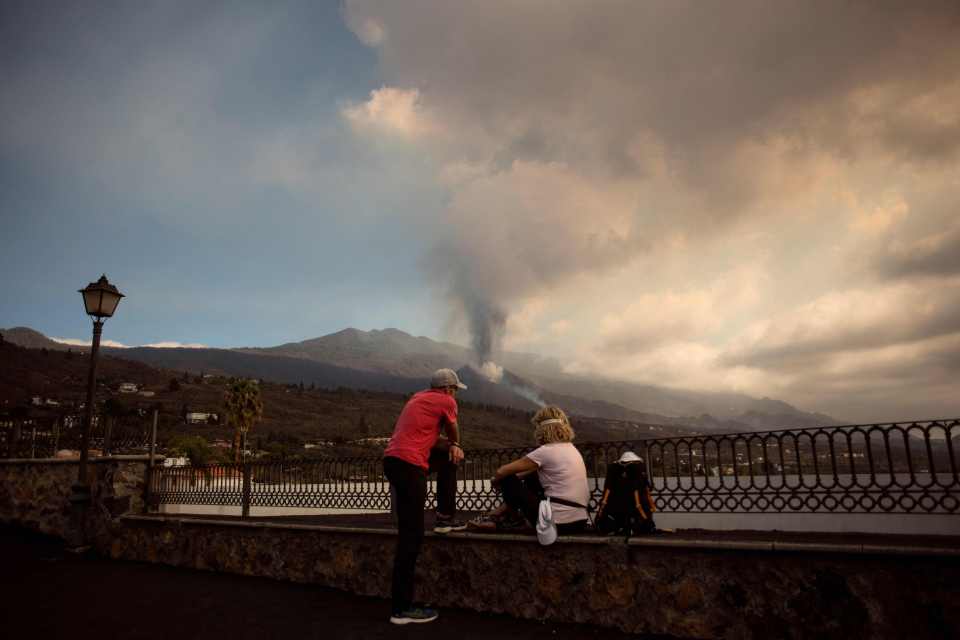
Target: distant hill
x=395, y=352
x=27, y=337
x=292, y=415
x=391, y=360
x=389, y=351
x=273, y=368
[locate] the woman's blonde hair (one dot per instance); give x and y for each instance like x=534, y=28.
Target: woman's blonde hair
x=551, y=424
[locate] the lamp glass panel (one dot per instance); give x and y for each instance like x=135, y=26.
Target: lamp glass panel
x=109, y=303
x=91, y=300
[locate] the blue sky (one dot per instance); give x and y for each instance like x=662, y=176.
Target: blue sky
x=93, y=183
x=758, y=197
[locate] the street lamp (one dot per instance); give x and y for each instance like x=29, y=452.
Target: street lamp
x=100, y=299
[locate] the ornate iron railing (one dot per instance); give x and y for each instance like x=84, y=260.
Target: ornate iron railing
x=44, y=437
x=907, y=467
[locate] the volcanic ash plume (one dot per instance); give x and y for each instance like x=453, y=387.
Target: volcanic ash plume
x=487, y=322
x=492, y=372
x=529, y=394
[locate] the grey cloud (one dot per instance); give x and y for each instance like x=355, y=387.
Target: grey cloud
x=700, y=76
x=923, y=386
x=907, y=314
x=937, y=255
x=689, y=100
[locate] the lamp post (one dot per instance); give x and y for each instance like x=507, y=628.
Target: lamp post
x=100, y=299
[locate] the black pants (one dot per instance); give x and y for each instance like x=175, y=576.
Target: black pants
x=408, y=492
x=524, y=495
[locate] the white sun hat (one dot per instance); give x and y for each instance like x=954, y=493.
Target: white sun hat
x=546, y=527
x=629, y=456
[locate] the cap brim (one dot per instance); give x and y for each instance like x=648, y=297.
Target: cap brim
x=460, y=385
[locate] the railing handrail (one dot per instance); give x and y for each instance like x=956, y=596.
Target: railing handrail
x=645, y=441
x=869, y=468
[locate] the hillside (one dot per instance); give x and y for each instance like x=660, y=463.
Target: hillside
x=395, y=352
x=27, y=337
x=292, y=416
x=388, y=351
x=393, y=361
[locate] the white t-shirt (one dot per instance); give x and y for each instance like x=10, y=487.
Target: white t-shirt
x=562, y=473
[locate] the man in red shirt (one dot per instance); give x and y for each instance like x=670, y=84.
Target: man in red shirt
x=407, y=460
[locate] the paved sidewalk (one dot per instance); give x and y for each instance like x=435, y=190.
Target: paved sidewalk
x=50, y=593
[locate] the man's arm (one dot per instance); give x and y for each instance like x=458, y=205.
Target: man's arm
x=453, y=435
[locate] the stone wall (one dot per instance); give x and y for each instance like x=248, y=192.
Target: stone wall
x=685, y=592
x=658, y=585
x=35, y=494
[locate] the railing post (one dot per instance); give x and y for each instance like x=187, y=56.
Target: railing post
x=245, y=498
x=33, y=442
x=14, y=446
x=107, y=433
x=148, y=484
x=56, y=435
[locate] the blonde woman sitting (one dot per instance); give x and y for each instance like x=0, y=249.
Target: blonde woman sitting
x=554, y=469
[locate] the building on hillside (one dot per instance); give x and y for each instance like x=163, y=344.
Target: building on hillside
x=148, y=394
x=201, y=417
x=128, y=387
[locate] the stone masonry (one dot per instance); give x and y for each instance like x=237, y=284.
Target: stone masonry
x=644, y=586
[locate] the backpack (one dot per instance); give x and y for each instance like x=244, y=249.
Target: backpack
x=626, y=506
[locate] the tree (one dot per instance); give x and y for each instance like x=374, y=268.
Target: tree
x=194, y=448
x=174, y=385
x=243, y=408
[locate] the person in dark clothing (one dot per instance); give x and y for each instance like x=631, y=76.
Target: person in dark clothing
x=409, y=457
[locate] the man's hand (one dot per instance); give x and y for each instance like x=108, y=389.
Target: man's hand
x=456, y=454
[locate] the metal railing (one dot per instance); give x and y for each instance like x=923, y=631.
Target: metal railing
x=44, y=437
x=907, y=467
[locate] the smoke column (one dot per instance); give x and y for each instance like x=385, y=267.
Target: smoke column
x=487, y=322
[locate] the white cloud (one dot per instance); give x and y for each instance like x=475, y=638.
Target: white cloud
x=167, y=344
x=170, y=344
x=389, y=110
x=76, y=342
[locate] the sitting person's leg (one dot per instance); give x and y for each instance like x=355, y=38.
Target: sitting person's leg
x=522, y=495
x=572, y=527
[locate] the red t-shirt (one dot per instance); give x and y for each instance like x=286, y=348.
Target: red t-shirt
x=419, y=425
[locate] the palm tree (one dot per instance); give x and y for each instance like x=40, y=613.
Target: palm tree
x=244, y=408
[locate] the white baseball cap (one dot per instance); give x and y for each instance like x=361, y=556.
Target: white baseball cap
x=446, y=378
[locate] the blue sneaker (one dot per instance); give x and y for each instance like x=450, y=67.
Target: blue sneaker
x=414, y=614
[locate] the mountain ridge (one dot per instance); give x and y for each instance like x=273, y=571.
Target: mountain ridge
x=395, y=361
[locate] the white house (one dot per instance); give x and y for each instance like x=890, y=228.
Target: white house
x=128, y=387
x=200, y=417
